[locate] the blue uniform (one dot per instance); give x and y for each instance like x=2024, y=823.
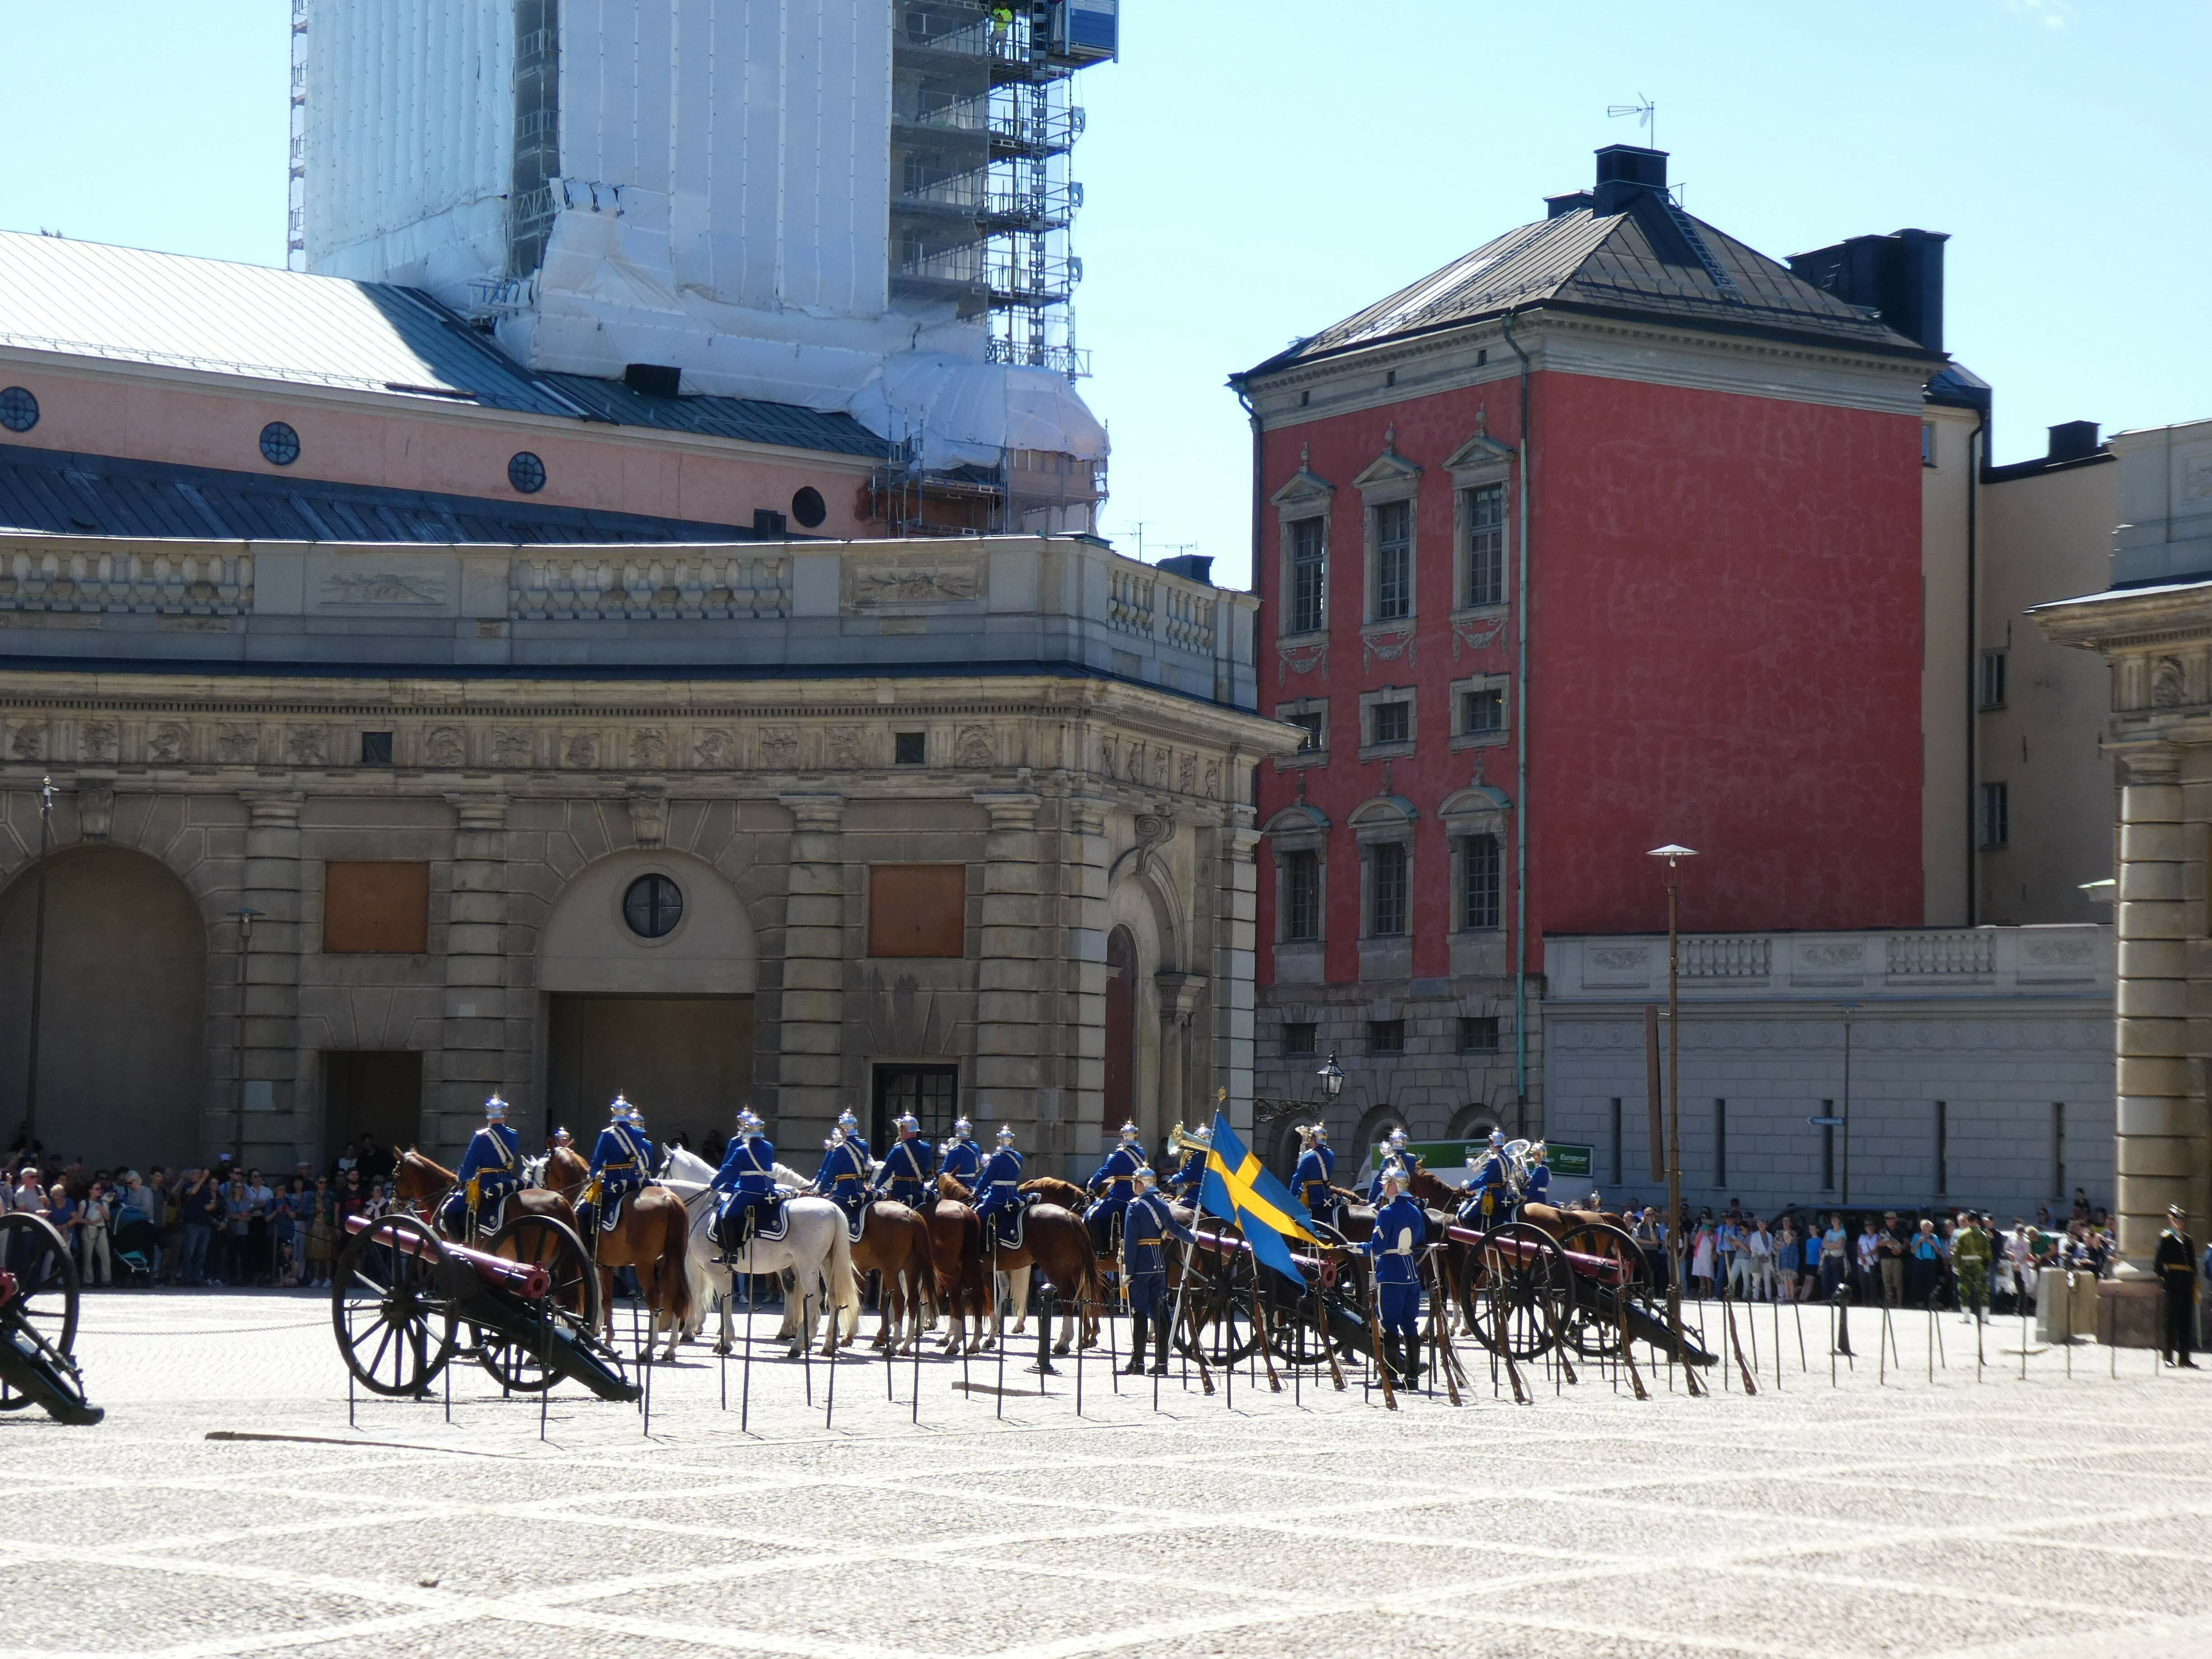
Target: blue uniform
x=906, y=1169
x=1118, y=1175
x=1401, y=1228
x=998, y=1185
x=1189, y=1175
x=843, y=1177
x=1493, y=1197
x=1405, y=1160
x=1145, y=1226
x=748, y=1175
x=618, y=1166
x=1309, y=1181
x=490, y=1169
x=962, y=1159
x=1538, y=1189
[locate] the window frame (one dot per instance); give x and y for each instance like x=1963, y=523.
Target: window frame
x=1312, y=1030
x=1293, y=612
x=1382, y=554
x=1462, y=851
x=1368, y=701
x=1995, y=825
x=1496, y=1045
x=1463, y=736
x=1376, y=1050
x=1373, y=856
x=1995, y=672
x=1291, y=712
x=1287, y=860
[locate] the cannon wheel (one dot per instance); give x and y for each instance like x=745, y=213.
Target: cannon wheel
x=1592, y=1322
x=1222, y=1294
x=46, y=1303
x=1512, y=1299
x=571, y=1302
x=390, y=1308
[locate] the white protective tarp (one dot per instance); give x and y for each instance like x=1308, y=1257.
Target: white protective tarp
x=963, y=412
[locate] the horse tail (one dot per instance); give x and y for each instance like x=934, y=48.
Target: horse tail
x=843, y=1293
x=672, y=1262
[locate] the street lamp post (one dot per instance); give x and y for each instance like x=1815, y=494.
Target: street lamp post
x=245, y=916
x=1332, y=1078
x=1674, y=854
x=38, y=967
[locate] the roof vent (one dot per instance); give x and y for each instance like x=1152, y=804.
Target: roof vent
x=1899, y=275
x=2073, y=440
x=1558, y=207
x=653, y=379
x=1626, y=172
x=1196, y=566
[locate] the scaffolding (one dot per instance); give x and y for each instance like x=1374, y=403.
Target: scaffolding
x=983, y=209
x=295, y=187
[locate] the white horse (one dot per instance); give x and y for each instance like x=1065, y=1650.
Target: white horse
x=815, y=1248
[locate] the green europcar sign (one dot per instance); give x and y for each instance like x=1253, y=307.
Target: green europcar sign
x=1447, y=1158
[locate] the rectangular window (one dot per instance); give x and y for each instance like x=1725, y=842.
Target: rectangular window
x=1928, y=443
x=1828, y=1148
x=1486, y=545
x=1482, y=711
x=1386, y=878
x=1993, y=679
x=1478, y=1034
x=2058, y=1147
x=1720, y=1143
x=1307, y=561
x=1942, y=1148
x=376, y=749
x=1997, y=815
x=1392, y=722
x=1310, y=722
x=931, y=1093
x=909, y=747
x=917, y=909
x=376, y=909
x=1480, y=900
x=1298, y=1037
x=1616, y=1140
x=1302, y=895
x=1386, y=1036
x=1393, y=561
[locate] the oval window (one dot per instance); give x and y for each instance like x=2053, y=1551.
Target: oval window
x=808, y=507
x=18, y=409
x=280, y=444
x=526, y=472
x=652, y=907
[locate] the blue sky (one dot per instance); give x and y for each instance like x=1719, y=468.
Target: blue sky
x=1257, y=170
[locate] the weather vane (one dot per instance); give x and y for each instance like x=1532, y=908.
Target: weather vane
x=1645, y=111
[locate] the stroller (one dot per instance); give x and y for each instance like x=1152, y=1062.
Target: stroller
x=133, y=1243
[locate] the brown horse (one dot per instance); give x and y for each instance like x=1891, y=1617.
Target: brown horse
x=421, y=1183
x=955, y=1257
x=650, y=1237
x=565, y=1172
x=1056, y=1242
x=896, y=1244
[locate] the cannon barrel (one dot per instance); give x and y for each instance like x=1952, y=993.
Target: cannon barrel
x=523, y=1279
x=1603, y=1268
x=1222, y=1245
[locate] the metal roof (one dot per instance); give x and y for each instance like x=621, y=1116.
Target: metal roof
x=69, y=493
x=129, y=305
x=1653, y=260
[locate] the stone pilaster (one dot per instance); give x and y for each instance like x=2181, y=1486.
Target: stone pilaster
x=1083, y=859
x=474, y=1032
x=266, y=1043
x=1181, y=997
x=1235, y=909
x=810, y=1016
x=1011, y=1043
x=2158, y=1122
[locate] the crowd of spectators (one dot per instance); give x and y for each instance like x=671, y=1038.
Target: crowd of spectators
x=1957, y=1260
x=202, y=1226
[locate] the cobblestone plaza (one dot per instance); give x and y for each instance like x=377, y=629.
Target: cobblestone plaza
x=226, y=1507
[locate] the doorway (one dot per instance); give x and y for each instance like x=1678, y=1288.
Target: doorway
x=375, y=1091
x=931, y=1093
x=685, y=1062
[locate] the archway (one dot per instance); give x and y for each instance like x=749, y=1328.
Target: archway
x=649, y=964
x=122, y=1039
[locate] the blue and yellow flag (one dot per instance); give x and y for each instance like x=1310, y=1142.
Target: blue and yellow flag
x=1238, y=1187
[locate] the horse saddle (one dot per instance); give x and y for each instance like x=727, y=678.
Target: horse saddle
x=608, y=1208
x=857, y=1222
x=1011, y=1224
x=740, y=1222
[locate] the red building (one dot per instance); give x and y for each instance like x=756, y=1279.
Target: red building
x=1606, y=535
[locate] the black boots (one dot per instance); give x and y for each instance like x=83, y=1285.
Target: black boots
x=1159, y=1345
x=1136, y=1365
x=1403, y=1358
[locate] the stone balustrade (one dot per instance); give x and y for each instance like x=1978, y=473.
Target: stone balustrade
x=185, y=580
x=595, y=589
x=1914, y=963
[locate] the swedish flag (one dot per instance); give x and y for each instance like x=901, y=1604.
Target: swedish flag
x=1238, y=1187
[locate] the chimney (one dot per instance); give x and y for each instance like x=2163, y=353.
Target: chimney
x=2073, y=440
x=1558, y=207
x=1626, y=172
x=1899, y=275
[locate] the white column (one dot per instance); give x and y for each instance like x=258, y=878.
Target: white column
x=1011, y=1046
x=810, y=1014
x=474, y=1030
x=2158, y=1120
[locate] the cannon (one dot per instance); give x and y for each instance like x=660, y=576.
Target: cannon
x=402, y=1296
x=1525, y=1290
x=1223, y=1303
x=37, y=1323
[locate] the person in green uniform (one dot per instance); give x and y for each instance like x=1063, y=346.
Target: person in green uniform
x=1973, y=1253
x=2176, y=1263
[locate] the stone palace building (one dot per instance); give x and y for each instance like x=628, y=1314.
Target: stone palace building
x=345, y=836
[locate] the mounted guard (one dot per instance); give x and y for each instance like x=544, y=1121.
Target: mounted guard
x=618, y=1167
x=849, y=1127
x=490, y=1171
x=909, y=1168
x=997, y=1188
x=960, y=1156
x=1401, y=1229
x=1309, y=1180
x=748, y=1177
x=1490, y=1191
x=1536, y=1185
x=1146, y=1224
x=1115, y=1181
x=843, y=1176
x=1394, y=1151
x=1198, y=1144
